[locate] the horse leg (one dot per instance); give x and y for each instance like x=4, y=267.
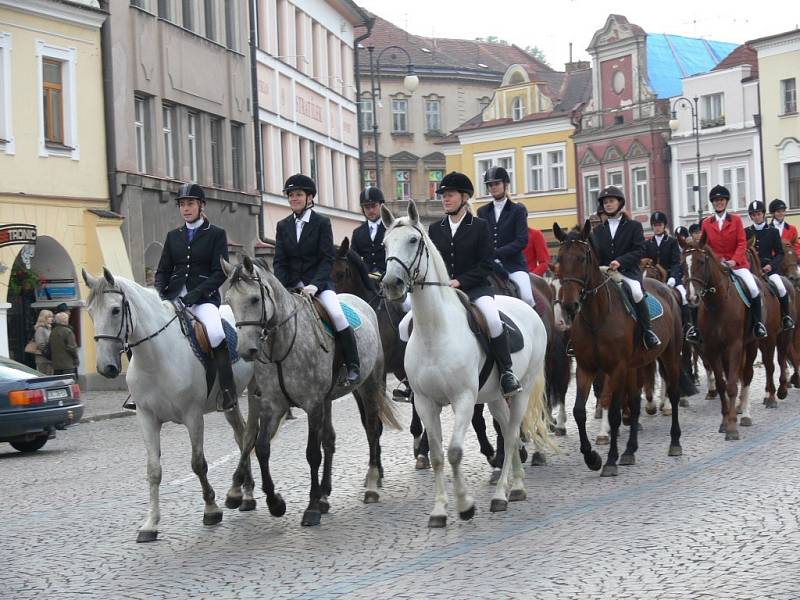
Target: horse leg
x=783, y=352
x=634, y=403
x=328, y=441
x=768, y=358
x=583, y=383
x=311, y=516
x=479, y=425
x=649, y=391
x=151, y=432
x=236, y=497
x=561, y=419
x=269, y=421
x=733, y=372
x=510, y=486
x=750, y=353
x=670, y=368
x=711, y=381
x=212, y=514
x=615, y=384
x=374, y=428
x=430, y=413
x=416, y=429
x=462, y=410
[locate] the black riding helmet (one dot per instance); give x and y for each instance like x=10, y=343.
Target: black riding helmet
x=370, y=195
x=610, y=191
x=755, y=206
x=456, y=181
x=681, y=231
x=300, y=182
x=694, y=228
x=776, y=205
x=495, y=174
x=719, y=191
x=190, y=190
x=658, y=217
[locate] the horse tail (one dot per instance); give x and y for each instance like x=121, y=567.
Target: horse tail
x=387, y=411
x=537, y=419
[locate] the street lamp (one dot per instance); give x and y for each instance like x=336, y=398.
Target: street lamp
x=674, y=124
x=410, y=83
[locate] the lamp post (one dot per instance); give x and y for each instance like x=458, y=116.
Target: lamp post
x=674, y=124
x=410, y=83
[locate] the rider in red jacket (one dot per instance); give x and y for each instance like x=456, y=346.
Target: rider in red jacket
x=788, y=231
x=536, y=254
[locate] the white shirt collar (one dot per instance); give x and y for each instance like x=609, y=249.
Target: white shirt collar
x=196, y=224
x=660, y=238
x=759, y=227
x=617, y=217
x=454, y=224
x=374, y=224
x=306, y=216
x=778, y=224
x=720, y=218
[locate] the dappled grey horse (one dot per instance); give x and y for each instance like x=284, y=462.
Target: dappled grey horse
x=294, y=362
x=167, y=382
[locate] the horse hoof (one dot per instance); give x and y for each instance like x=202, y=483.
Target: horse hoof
x=324, y=507
x=467, y=514
x=795, y=380
x=437, y=521
x=495, y=477
x=423, y=462
x=277, y=507
x=711, y=394
x=731, y=436
x=626, y=460
x=738, y=409
x=609, y=471
x=233, y=501
x=602, y=440
x=146, y=536
x=745, y=422
x=214, y=518
x=626, y=421
x=311, y=518
x=498, y=505
x=782, y=393
x=683, y=403
x=666, y=411
x=371, y=497
x=517, y=495
x=380, y=480
x=593, y=461
x=675, y=451
x=722, y=428
x=771, y=403
x=561, y=431
x=538, y=459
x=650, y=410
x=523, y=454
x=248, y=505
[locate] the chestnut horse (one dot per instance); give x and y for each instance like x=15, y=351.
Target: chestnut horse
x=607, y=342
x=791, y=270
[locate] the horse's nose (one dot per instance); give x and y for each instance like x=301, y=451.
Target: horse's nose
x=392, y=285
x=249, y=354
x=110, y=371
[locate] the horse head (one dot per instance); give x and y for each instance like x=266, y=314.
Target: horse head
x=577, y=269
x=111, y=316
x=701, y=269
x=789, y=264
x=251, y=298
x=406, y=248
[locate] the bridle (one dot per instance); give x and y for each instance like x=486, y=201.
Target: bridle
x=586, y=291
x=126, y=326
x=413, y=268
x=704, y=291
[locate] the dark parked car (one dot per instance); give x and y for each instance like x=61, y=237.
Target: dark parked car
x=34, y=405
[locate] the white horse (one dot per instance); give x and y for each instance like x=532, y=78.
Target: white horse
x=443, y=359
x=167, y=382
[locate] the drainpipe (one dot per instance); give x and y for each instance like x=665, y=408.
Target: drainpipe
x=256, y=118
x=108, y=113
x=369, y=22
x=757, y=120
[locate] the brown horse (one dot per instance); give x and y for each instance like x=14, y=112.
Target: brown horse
x=723, y=322
x=790, y=268
x=652, y=270
x=607, y=342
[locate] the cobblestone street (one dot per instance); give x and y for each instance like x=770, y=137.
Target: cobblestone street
x=719, y=522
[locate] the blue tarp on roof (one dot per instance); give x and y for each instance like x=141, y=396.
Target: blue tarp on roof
x=672, y=57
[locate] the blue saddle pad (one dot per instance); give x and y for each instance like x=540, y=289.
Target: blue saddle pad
x=350, y=314
x=230, y=337
x=737, y=283
x=653, y=304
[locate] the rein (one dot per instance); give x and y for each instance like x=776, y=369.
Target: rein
x=126, y=325
x=586, y=291
x=416, y=264
x=704, y=291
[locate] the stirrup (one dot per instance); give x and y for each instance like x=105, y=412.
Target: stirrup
x=759, y=330
x=129, y=404
x=509, y=384
x=788, y=323
x=691, y=335
x=654, y=341
x=403, y=394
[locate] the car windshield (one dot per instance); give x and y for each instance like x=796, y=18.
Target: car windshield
x=11, y=370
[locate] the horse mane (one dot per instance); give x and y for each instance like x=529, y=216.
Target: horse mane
x=368, y=282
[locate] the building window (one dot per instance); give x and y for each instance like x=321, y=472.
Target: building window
x=793, y=173
x=237, y=159
x=312, y=158
x=140, y=125
x=53, y=101
x=591, y=192
x=735, y=179
x=369, y=178
x=535, y=172
x=58, y=114
x=507, y=162
x=433, y=116
x=188, y=14
x=641, y=196
x=400, y=116
x=216, y=151
x=555, y=166
x=208, y=12
x=230, y=24
x=164, y=9
x=6, y=136
x=713, y=111
x=367, y=114
x=789, y=96
x=616, y=179
x=402, y=180
x=168, y=118
x=193, y=143
x=517, y=108
x=691, y=193
x=434, y=178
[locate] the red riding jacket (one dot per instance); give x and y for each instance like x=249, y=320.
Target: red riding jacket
x=536, y=254
x=728, y=243
x=788, y=234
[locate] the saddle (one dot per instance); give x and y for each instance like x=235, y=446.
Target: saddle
x=741, y=288
x=195, y=332
x=505, y=286
x=351, y=315
x=654, y=306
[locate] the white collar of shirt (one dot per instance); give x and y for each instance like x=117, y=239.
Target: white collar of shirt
x=300, y=221
x=758, y=227
x=613, y=223
x=778, y=224
x=196, y=224
x=659, y=238
x=454, y=224
x=373, y=228
x=720, y=219
x=499, y=205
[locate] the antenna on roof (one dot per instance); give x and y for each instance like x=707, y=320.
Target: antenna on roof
x=570, y=52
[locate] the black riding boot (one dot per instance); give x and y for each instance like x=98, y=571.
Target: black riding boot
x=689, y=330
x=786, y=318
x=649, y=337
x=404, y=393
x=227, y=386
x=502, y=356
x=352, y=363
x=755, y=316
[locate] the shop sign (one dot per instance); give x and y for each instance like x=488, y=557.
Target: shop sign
x=16, y=233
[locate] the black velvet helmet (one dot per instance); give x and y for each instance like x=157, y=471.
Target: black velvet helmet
x=300, y=182
x=777, y=204
x=455, y=181
x=694, y=227
x=658, y=217
x=494, y=174
x=370, y=195
x=719, y=191
x=681, y=231
x=190, y=190
x=610, y=191
x=756, y=206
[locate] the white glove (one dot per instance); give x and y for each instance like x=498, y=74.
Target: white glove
x=671, y=282
x=311, y=290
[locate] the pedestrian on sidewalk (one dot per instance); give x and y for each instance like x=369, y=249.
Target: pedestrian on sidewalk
x=63, y=347
x=41, y=338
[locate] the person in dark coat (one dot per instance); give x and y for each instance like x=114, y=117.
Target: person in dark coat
x=619, y=243
x=63, y=347
x=367, y=240
x=465, y=243
x=190, y=270
x=304, y=256
x=770, y=253
x=508, y=223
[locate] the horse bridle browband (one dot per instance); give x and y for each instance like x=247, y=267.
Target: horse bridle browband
x=422, y=247
x=584, y=283
x=126, y=326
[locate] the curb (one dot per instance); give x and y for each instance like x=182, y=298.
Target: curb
x=105, y=417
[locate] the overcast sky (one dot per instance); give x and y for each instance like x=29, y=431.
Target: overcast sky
x=551, y=26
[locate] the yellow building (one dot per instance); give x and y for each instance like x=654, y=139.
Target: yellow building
x=527, y=129
x=779, y=76
x=53, y=176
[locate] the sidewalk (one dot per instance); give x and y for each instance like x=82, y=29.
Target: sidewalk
x=98, y=406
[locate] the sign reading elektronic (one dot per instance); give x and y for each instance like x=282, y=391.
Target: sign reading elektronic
x=17, y=233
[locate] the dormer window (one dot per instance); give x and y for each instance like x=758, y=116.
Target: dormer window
x=517, y=108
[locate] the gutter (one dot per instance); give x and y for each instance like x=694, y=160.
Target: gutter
x=108, y=114
x=369, y=22
x=256, y=118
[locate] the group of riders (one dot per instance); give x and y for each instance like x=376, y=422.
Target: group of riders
x=472, y=246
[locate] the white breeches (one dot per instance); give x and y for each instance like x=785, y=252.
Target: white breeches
x=635, y=287
x=330, y=301
x=407, y=303
x=682, y=291
x=776, y=279
x=749, y=281
x=485, y=304
x=523, y=281
x=208, y=315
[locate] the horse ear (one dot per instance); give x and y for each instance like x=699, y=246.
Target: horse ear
x=386, y=216
x=343, y=248
x=586, y=233
x=90, y=281
x=248, y=263
x=413, y=213
x=227, y=267
x=109, y=277
x=559, y=233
